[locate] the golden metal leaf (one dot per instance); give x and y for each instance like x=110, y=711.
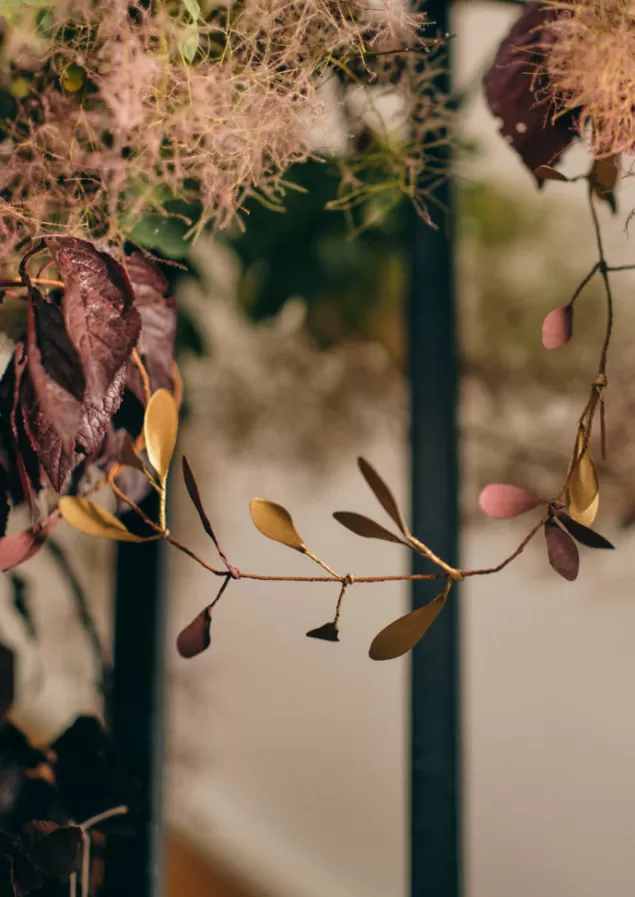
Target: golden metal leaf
x=276, y=523
x=94, y=520
x=364, y=526
x=584, y=487
x=383, y=494
x=401, y=636
x=160, y=428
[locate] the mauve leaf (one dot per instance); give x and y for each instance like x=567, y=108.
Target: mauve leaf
x=562, y=550
x=327, y=633
x=193, y=491
x=54, y=850
x=547, y=173
x=196, y=637
x=276, y=523
x=364, y=526
x=583, y=534
x=21, y=547
x=160, y=429
x=98, y=304
x=502, y=500
x=7, y=680
x=94, y=520
x=513, y=90
x=158, y=326
x=403, y=634
x=382, y=493
x=557, y=328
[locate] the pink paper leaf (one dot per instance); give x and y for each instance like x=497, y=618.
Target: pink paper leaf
x=557, y=328
x=501, y=501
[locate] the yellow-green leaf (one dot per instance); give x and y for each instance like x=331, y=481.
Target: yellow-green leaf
x=584, y=488
x=73, y=78
x=383, y=494
x=402, y=635
x=160, y=429
x=94, y=520
x=276, y=523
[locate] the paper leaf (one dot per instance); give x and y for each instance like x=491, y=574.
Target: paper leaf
x=547, y=173
x=584, y=488
x=196, y=637
x=364, y=526
x=383, y=494
x=160, y=429
x=7, y=680
x=402, y=635
x=327, y=633
x=94, y=520
x=604, y=175
x=21, y=547
x=557, y=328
x=583, y=534
x=192, y=490
x=276, y=523
x=562, y=550
x=502, y=501
x=128, y=456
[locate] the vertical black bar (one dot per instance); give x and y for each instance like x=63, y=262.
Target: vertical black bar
x=435, y=712
x=136, y=713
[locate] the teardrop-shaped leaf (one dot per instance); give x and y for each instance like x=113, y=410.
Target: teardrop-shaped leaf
x=128, y=456
x=584, y=488
x=192, y=490
x=20, y=547
x=557, y=328
x=562, y=550
x=160, y=428
x=382, y=493
x=196, y=637
x=584, y=534
x=328, y=633
x=604, y=174
x=547, y=173
x=94, y=520
x=364, y=526
x=502, y=500
x=276, y=523
x=402, y=635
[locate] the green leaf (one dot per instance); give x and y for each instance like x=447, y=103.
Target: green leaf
x=193, y=9
x=189, y=45
x=163, y=233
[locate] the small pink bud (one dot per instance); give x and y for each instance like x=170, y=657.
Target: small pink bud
x=501, y=500
x=557, y=328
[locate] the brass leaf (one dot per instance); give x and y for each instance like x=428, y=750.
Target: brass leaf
x=604, y=175
x=547, y=173
x=383, y=494
x=160, y=428
x=94, y=520
x=402, y=635
x=276, y=523
x=584, y=488
x=364, y=526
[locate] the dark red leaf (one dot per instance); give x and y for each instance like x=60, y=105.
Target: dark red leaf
x=584, y=534
x=22, y=464
x=328, y=633
x=195, y=638
x=562, y=550
x=514, y=88
x=54, y=850
x=21, y=547
x=158, y=326
x=192, y=489
x=557, y=328
x=99, y=312
x=502, y=500
x=7, y=680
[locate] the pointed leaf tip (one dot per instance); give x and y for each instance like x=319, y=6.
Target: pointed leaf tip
x=562, y=551
x=160, y=428
x=328, y=633
x=92, y=519
x=547, y=173
x=364, y=526
x=557, y=328
x=584, y=487
x=584, y=534
x=196, y=636
x=403, y=634
x=382, y=493
x=275, y=522
x=502, y=501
